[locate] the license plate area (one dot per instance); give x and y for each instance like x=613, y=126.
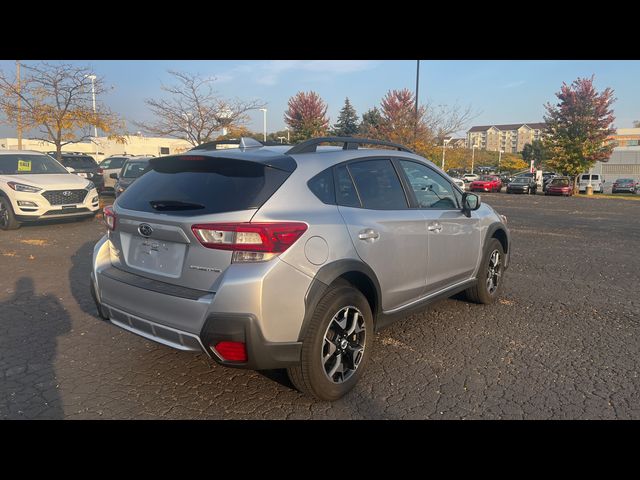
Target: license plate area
x=155, y=256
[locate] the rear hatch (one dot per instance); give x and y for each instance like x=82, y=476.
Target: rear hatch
x=155, y=215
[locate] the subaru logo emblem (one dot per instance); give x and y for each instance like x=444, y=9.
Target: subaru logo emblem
x=67, y=193
x=145, y=229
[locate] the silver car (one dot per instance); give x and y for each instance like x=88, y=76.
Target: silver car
x=268, y=257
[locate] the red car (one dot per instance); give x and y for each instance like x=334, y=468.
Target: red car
x=560, y=186
x=486, y=183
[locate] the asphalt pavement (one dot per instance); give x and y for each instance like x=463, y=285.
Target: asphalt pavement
x=561, y=342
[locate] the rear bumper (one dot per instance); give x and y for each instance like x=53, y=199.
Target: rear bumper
x=194, y=320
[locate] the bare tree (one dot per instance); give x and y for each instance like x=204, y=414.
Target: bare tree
x=443, y=120
x=56, y=99
x=193, y=111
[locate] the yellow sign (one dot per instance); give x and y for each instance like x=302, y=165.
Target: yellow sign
x=24, y=165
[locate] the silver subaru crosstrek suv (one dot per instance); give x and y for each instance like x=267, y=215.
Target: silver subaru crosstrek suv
x=269, y=257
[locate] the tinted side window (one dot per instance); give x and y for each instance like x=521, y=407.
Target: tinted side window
x=322, y=187
x=378, y=185
x=345, y=191
x=431, y=190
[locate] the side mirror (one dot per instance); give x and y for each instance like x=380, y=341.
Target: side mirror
x=470, y=202
x=70, y=170
x=113, y=175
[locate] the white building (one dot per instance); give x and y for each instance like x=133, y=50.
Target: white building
x=135, y=145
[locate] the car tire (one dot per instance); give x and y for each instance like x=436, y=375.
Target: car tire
x=7, y=217
x=482, y=292
x=314, y=376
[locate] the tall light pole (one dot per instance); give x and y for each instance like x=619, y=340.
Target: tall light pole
x=288, y=140
x=499, y=158
x=473, y=156
x=444, y=148
x=93, y=94
x=264, y=124
x=415, y=127
x=19, y=106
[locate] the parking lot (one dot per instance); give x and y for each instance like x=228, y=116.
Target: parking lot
x=561, y=343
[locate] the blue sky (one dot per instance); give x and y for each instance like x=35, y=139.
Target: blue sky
x=503, y=91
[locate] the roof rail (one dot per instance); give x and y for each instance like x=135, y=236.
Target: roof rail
x=349, y=143
x=243, y=142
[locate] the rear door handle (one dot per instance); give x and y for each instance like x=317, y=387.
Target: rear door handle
x=368, y=234
x=436, y=227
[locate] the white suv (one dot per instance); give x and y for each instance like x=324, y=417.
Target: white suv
x=34, y=186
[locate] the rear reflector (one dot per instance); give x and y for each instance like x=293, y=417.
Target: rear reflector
x=267, y=238
x=232, y=351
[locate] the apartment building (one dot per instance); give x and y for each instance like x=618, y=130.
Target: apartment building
x=510, y=138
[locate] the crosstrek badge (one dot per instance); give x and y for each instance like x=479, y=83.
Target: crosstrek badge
x=24, y=165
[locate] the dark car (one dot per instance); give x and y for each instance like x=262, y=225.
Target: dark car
x=84, y=166
x=523, y=184
x=560, y=186
x=546, y=179
x=628, y=185
x=131, y=170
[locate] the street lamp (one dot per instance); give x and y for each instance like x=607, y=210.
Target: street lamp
x=499, y=158
x=445, y=142
x=288, y=140
x=93, y=94
x=264, y=123
x=473, y=156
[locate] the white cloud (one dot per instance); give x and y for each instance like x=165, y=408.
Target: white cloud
x=270, y=72
x=514, y=84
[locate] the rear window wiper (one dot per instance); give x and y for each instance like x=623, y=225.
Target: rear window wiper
x=175, y=205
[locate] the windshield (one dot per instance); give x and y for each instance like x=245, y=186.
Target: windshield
x=134, y=169
x=624, y=180
x=560, y=182
x=79, y=162
x=20, y=164
x=521, y=180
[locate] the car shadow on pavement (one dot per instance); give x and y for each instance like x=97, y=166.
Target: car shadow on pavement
x=29, y=327
x=80, y=278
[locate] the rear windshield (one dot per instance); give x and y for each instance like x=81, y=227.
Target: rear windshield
x=29, y=164
x=487, y=178
x=624, y=180
x=560, y=182
x=115, y=162
x=79, y=162
x=134, y=169
x=214, y=185
x=521, y=180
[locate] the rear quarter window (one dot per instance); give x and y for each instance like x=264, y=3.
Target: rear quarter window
x=322, y=186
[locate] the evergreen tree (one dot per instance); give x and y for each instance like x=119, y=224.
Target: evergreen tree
x=371, y=120
x=347, y=123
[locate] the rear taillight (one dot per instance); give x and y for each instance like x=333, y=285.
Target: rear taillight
x=109, y=217
x=250, y=242
x=232, y=351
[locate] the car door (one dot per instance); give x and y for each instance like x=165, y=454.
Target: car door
x=387, y=235
x=454, y=239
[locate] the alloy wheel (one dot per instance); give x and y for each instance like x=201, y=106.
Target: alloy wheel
x=343, y=344
x=4, y=215
x=494, y=272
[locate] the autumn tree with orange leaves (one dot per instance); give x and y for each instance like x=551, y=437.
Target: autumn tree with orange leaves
x=306, y=115
x=578, y=127
x=56, y=99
